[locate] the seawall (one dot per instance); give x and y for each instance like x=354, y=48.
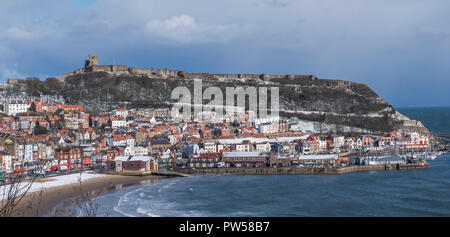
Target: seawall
x=299, y=171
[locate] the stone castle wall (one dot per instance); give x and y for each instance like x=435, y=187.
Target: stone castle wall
x=141, y=71
x=91, y=65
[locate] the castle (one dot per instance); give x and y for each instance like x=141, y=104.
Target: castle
x=91, y=65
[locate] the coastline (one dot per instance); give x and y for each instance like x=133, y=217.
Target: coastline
x=47, y=202
x=300, y=171
x=55, y=201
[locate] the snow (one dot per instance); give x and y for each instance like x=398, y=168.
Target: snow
x=319, y=157
x=54, y=182
x=260, y=140
x=370, y=115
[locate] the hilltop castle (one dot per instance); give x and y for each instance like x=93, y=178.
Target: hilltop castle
x=91, y=65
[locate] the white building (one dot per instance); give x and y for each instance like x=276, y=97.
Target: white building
x=211, y=147
x=130, y=141
x=6, y=162
x=268, y=128
x=244, y=147
x=28, y=155
x=263, y=147
x=135, y=151
x=338, y=141
x=121, y=113
x=115, y=123
x=14, y=107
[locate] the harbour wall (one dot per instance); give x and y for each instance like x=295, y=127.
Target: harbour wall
x=295, y=171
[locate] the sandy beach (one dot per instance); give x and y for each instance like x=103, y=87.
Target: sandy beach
x=51, y=201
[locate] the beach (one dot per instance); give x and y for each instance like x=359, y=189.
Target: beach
x=53, y=201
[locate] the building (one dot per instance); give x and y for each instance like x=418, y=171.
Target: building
x=6, y=162
x=123, y=113
x=69, y=155
x=246, y=159
x=136, y=151
x=133, y=164
x=318, y=160
x=245, y=146
x=13, y=107
x=267, y=128
x=380, y=160
x=209, y=160
x=262, y=147
x=118, y=123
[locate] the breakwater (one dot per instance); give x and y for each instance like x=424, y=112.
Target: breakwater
x=295, y=171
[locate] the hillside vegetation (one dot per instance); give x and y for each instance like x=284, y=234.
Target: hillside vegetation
x=349, y=104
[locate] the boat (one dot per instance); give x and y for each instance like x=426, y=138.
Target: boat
x=434, y=155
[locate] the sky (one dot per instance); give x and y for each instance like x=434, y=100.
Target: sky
x=400, y=48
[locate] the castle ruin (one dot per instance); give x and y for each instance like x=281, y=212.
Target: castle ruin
x=91, y=65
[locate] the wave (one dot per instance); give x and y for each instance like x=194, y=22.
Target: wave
x=124, y=198
x=146, y=212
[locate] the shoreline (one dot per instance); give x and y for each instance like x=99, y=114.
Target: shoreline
x=55, y=201
x=50, y=202
x=301, y=171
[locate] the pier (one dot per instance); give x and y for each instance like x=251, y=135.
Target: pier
x=150, y=173
x=299, y=171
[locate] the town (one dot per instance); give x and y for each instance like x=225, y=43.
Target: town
x=45, y=136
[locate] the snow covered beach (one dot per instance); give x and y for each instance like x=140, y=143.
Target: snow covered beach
x=45, y=194
x=45, y=183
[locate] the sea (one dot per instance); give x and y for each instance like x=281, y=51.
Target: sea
x=406, y=193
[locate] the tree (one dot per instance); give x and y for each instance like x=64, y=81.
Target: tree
x=39, y=130
x=13, y=195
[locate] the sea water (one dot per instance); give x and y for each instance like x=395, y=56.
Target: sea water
x=379, y=193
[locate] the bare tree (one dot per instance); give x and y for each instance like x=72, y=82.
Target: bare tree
x=14, y=193
x=83, y=205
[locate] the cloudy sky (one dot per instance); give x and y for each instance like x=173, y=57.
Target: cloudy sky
x=401, y=48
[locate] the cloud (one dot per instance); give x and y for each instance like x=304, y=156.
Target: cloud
x=17, y=33
x=382, y=43
x=184, y=29
x=6, y=72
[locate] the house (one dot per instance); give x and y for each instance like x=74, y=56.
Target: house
x=338, y=141
x=191, y=149
x=117, y=140
x=267, y=128
x=123, y=113
x=44, y=123
x=159, y=144
x=118, y=123
x=6, y=162
x=245, y=146
x=130, y=141
x=210, y=147
x=208, y=160
x=69, y=155
x=262, y=147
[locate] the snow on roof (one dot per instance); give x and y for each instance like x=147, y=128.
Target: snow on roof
x=319, y=157
x=133, y=158
x=245, y=154
x=260, y=140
